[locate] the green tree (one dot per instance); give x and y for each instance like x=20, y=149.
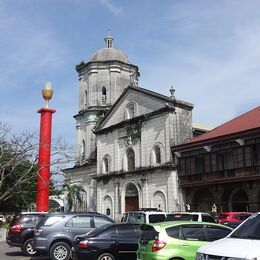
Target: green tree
x=74, y=196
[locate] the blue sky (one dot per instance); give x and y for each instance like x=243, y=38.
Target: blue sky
x=208, y=50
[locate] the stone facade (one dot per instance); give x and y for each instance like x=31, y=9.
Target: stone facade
x=124, y=138
x=151, y=182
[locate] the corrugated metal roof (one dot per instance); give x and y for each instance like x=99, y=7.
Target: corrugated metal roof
x=248, y=121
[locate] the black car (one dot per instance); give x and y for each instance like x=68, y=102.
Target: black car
x=21, y=231
x=110, y=242
x=55, y=233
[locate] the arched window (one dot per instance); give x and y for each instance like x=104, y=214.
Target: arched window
x=130, y=111
x=157, y=153
x=104, y=95
x=130, y=160
x=106, y=164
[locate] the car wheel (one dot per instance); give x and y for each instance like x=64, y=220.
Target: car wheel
x=60, y=251
x=28, y=248
x=106, y=256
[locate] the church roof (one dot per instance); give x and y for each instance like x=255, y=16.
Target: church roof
x=106, y=54
x=169, y=102
x=109, y=52
x=242, y=124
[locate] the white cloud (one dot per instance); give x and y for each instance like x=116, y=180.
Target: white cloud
x=112, y=8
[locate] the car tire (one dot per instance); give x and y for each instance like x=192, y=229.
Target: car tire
x=60, y=251
x=27, y=248
x=106, y=256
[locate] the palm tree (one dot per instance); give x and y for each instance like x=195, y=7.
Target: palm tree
x=74, y=195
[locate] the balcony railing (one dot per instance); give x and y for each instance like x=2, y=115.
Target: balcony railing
x=231, y=175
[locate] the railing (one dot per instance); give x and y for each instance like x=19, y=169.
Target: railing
x=210, y=177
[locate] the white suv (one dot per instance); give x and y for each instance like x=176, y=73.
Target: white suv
x=190, y=216
x=143, y=216
x=242, y=243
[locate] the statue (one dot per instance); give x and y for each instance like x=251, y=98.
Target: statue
x=214, y=208
x=133, y=79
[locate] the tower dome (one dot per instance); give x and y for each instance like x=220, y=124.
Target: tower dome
x=109, y=53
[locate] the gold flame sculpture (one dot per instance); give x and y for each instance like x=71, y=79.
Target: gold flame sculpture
x=47, y=93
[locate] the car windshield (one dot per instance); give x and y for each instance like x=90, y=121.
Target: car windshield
x=181, y=216
x=138, y=218
x=250, y=229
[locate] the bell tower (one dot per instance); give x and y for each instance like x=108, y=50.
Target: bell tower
x=101, y=81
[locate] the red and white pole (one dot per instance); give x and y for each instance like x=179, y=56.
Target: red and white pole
x=43, y=182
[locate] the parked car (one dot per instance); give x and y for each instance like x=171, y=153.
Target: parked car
x=190, y=216
x=55, y=233
x=110, y=242
x=21, y=231
x=242, y=243
x=234, y=217
x=177, y=239
x=150, y=215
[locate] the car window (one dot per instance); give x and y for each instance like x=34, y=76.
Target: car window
x=124, y=217
x=100, y=221
x=242, y=217
x=185, y=217
x=154, y=218
x=208, y=218
x=215, y=233
x=250, y=229
x=173, y=232
x=108, y=233
x=138, y=218
x=148, y=233
x=193, y=233
x=52, y=220
x=125, y=231
x=80, y=222
x=27, y=219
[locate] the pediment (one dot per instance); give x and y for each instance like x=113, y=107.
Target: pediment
x=143, y=101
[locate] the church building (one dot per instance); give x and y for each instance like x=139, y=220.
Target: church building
x=124, y=138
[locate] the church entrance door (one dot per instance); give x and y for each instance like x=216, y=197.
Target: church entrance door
x=131, y=198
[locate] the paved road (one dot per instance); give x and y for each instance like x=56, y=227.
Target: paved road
x=14, y=253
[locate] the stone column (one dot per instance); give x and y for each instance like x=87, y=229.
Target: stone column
x=116, y=201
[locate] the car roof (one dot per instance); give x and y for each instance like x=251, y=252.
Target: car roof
x=234, y=212
x=188, y=213
x=178, y=223
x=33, y=213
x=74, y=213
x=145, y=211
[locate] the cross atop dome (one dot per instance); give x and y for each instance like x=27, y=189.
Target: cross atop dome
x=108, y=40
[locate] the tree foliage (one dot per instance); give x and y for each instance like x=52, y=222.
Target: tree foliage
x=19, y=166
x=74, y=196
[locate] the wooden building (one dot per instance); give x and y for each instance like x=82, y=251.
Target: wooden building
x=222, y=167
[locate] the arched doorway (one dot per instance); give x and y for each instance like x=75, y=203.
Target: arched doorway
x=203, y=200
x=239, y=200
x=226, y=205
x=159, y=201
x=131, y=197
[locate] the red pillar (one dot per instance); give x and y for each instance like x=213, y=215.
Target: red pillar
x=43, y=182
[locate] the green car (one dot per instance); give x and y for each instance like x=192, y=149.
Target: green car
x=177, y=239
